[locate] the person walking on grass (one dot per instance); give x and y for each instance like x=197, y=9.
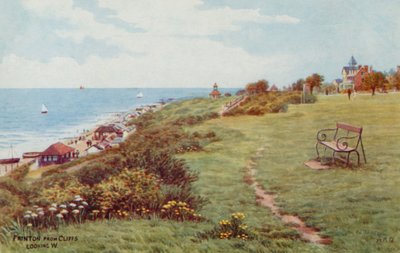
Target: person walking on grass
x=349, y=93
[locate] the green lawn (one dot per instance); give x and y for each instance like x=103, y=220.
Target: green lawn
x=358, y=209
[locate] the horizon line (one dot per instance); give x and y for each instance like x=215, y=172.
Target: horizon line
x=119, y=88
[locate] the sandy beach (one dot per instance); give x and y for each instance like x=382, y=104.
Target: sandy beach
x=81, y=141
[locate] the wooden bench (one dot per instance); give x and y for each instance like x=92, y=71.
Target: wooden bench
x=343, y=139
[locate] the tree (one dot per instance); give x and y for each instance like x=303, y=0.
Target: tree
x=396, y=80
x=315, y=80
x=374, y=80
x=298, y=85
x=258, y=87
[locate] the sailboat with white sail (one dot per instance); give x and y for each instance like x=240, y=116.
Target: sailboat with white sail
x=139, y=95
x=44, y=109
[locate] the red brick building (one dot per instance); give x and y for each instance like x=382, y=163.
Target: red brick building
x=359, y=76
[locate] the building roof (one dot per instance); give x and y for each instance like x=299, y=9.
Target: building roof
x=107, y=129
x=352, y=61
x=57, y=149
x=348, y=68
x=215, y=93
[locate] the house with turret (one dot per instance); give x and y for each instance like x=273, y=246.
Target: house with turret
x=353, y=75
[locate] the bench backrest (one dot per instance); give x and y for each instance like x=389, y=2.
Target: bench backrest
x=349, y=128
x=344, y=130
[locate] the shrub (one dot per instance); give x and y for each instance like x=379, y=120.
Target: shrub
x=310, y=98
x=188, y=146
x=128, y=191
x=60, y=192
x=16, y=188
x=230, y=229
x=20, y=172
x=210, y=134
x=170, y=170
x=10, y=207
x=178, y=210
x=52, y=171
x=255, y=110
x=196, y=135
x=95, y=173
x=184, y=194
x=143, y=121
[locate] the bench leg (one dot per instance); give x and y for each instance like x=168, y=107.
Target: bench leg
x=358, y=158
x=348, y=159
x=362, y=149
x=316, y=148
x=333, y=157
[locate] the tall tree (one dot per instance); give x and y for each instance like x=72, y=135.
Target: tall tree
x=298, y=85
x=373, y=81
x=315, y=80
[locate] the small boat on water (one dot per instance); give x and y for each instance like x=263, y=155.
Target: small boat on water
x=44, y=109
x=139, y=95
x=81, y=87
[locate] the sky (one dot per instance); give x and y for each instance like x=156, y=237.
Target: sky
x=190, y=43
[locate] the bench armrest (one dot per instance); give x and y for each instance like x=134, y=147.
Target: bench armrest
x=342, y=142
x=322, y=134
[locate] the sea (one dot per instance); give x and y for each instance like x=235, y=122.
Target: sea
x=23, y=128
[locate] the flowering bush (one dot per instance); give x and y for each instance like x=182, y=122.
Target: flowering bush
x=75, y=211
x=130, y=191
x=61, y=192
x=178, y=210
x=230, y=229
x=188, y=146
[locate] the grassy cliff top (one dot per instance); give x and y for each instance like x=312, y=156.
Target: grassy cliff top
x=358, y=208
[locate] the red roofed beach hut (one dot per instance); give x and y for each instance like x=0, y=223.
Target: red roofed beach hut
x=57, y=153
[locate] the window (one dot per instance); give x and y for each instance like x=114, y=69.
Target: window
x=45, y=158
x=55, y=158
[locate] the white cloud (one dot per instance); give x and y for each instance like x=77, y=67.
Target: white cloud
x=173, y=50
x=180, y=17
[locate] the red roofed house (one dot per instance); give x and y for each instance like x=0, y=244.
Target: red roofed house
x=215, y=93
x=57, y=153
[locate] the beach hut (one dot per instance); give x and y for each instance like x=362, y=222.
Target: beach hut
x=93, y=149
x=57, y=153
x=100, y=132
